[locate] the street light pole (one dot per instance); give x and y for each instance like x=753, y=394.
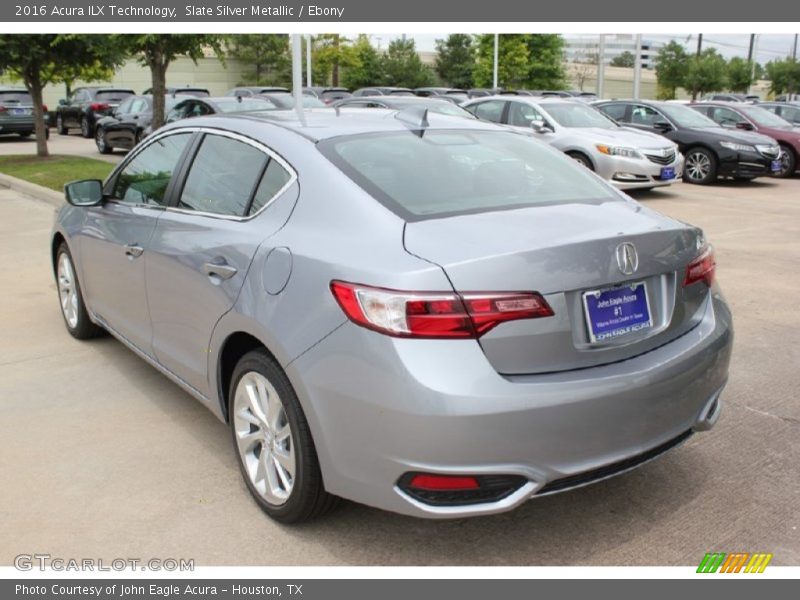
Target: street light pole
x=601, y=66
x=637, y=68
x=297, y=76
x=308, y=60
x=496, y=44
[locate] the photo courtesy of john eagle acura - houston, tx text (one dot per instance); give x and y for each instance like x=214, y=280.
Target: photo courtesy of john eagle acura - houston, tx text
x=423, y=313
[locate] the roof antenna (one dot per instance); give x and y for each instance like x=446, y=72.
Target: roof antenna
x=416, y=117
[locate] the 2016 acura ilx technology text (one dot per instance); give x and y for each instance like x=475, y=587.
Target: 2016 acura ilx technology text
x=423, y=313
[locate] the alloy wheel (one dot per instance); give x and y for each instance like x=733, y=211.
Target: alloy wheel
x=697, y=166
x=100, y=139
x=67, y=291
x=264, y=438
x=786, y=162
x=85, y=127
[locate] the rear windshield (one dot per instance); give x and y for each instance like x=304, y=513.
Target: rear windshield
x=113, y=95
x=16, y=97
x=449, y=172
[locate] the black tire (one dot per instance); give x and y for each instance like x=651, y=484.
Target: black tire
x=84, y=328
x=86, y=128
x=308, y=498
x=100, y=141
x=25, y=134
x=582, y=159
x=743, y=179
x=788, y=162
x=60, y=128
x=700, y=166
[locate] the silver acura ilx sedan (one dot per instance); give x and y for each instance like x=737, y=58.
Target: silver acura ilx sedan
x=426, y=314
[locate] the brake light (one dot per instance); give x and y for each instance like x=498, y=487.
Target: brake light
x=435, y=314
x=44, y=107
x=701, y=268
x=96, y=106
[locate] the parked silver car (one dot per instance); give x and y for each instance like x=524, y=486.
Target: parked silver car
x=626, y=158
x=426, y=314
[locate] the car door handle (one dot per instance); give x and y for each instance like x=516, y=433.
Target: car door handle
x=133, y=251
x=219, y=269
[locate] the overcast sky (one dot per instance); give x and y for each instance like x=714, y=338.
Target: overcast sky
x=770, y=46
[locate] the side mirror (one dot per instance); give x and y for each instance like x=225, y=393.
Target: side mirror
x=662, y=126
x=85, y=192
x=63, y=102
x=540, y=126
x=744, y=125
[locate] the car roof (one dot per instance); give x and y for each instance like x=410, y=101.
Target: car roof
x=326, y=123
x=543, y=100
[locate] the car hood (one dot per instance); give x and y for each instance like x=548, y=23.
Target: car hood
x=620, y=137
x=734, y=135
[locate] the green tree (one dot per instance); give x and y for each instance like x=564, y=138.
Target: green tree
x=546, y=61
x=367, y=69
x=455, y=60
x=671, y=66
x=330, y=53
x=42, y=59
x=705, y=73
x=739, y=74
x=266, y=56
x=513, y=67
x=626, y=59
x=157, y=51
x=403, y=67
x=784, y=76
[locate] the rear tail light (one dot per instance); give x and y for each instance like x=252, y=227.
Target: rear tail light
x=96, y=106
x=435, y=314
x=702, y=268
x=44, y=107
x=455, y=490
x=3, y=109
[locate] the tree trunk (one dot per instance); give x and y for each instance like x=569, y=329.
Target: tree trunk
x=34, y=87
x=158, y=70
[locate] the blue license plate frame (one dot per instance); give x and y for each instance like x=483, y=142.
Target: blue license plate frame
x=618, y=311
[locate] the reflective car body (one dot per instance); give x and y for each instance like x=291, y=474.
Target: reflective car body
x=730, y=152
x=179, y=263
x=628, y=159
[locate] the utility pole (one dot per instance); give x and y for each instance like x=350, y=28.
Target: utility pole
x=297, y=76
x=308, y=60
x=496, y=44
x=753, y=57
x=794, y=48
x=699, y=44
x=601, y=67
x=637, y=68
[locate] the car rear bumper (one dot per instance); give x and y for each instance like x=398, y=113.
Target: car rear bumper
x=381, y=407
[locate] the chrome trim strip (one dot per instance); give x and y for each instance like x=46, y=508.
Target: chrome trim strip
x=222, y=132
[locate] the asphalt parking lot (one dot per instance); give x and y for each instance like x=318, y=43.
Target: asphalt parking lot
x=104, y=457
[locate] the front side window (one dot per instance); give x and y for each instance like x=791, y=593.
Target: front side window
x=644, y=115
x=521, y=114
x=144, y=180
x=446, y=172
x=222, y=177
x=725, y=116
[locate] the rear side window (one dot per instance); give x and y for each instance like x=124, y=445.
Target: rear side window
x=448, y=172
x=492, y=110
x=274, y=180
x=615, y=111
x=222, y=177
x=144, y=180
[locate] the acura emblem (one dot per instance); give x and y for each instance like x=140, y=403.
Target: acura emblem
x=627, y=258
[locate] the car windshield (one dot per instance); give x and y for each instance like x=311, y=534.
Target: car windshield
x=234, y=105
x=572, y=114
x=683, y=116
x=764, y=117
x=445, y=108
x=448, y=172
x=16, y=97
x=113, y=95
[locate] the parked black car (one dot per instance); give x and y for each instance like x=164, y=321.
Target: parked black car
x=16, y=112
x=129, y=123
x=328, y=95
x=199, y=107
x=185, y=90
x=383, y=91
x=710, y=151
x=86, y=106
x=785, y=110
x=246, y=91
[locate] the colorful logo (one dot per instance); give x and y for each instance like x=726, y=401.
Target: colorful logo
x=737, y=562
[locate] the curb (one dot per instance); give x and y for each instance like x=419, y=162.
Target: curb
x=37, y=192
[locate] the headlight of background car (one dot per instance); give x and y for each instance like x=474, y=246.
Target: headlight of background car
x=618, y=151
x=737, y=147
